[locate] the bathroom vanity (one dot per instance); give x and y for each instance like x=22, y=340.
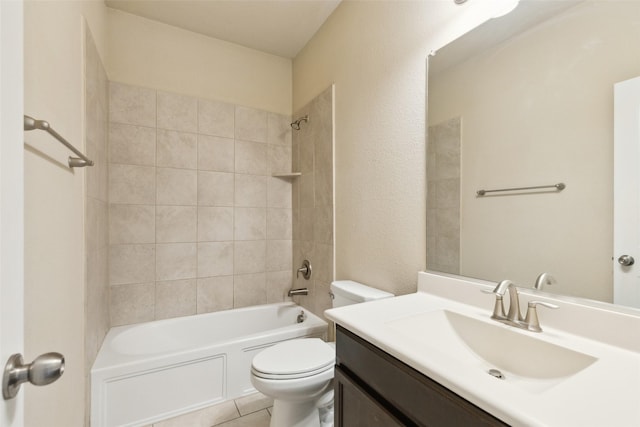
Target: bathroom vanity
x=436, y=357
x=374, y=389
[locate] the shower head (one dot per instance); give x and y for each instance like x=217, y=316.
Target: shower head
x=296, y=125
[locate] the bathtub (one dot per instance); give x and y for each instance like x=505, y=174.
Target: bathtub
x=152, y=371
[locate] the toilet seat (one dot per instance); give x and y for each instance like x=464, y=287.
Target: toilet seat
x=292, y=359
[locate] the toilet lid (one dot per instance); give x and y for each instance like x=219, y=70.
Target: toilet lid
x=294, y=359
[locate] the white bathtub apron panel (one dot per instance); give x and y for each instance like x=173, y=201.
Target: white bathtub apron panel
x=153, y=371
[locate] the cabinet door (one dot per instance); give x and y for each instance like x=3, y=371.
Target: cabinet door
x=355, y=408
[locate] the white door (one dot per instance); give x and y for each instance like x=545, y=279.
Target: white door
x=626, y=246
x=11, y=197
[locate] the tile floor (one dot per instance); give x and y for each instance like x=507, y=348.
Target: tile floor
x=248, y=411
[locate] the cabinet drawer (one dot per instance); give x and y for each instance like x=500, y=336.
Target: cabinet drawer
x=355, y=408
x=422, y=400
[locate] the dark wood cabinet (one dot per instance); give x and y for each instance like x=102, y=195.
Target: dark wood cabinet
x=375, y=389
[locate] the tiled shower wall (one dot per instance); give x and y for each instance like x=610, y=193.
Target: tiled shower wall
x=313, y=204
x=96, y=207
x=197, y=223
x=443, y=196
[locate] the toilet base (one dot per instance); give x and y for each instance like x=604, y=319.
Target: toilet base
x=294, y=414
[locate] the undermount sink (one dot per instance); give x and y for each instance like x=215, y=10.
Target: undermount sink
x=520, y=357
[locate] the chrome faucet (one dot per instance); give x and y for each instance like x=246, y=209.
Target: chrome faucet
x=544, y=279
x=305, y=270
x=514, y=317
x=514, y=303
x=299, y=291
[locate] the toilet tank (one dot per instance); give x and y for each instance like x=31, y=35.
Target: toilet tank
x=346, y=292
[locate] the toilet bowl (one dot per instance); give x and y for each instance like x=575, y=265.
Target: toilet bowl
x=298, y=374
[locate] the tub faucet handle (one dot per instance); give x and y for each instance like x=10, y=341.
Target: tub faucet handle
x=305, y=270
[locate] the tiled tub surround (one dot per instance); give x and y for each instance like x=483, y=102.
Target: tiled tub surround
x=443, y=196
x=197, y=223
x=313, y=207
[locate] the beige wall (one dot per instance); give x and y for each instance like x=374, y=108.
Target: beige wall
x=54, y=205
x=154, y=55
x=375, y=53
x=562, y=93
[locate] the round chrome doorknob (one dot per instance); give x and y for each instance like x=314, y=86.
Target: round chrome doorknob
x=44, y=370
x=626, y=260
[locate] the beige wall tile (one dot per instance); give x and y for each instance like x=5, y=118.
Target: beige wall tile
x=251, y=124
x=323, y=185
x=175, y=298
x=216, y=153
x=132, y=184
x=251, y=158
x=306, y=224
x=305, y=150
x=323, y=270
x=279, y=158
x=250, y=190
x=279, y=224
x=177, y=187
x=215, y=294
x=131, y=264
x=279, y=255
x=250, y=223
x=323, y=224
x=306, y=190
x=132, y=105
x=279, y=193
x=216, y=118
x=132, y=145
x=448, y=193
x=132, y=303
x=176, y=261
x=215, y=259
x=175, y=224
x=249, y=289
x=215, y=188
x=279, y=129
x=278, y=284
x=177, y=149
x=177, y=112
x=215, y=224
x=250, y=256
x=322, y=297
x=132, y=224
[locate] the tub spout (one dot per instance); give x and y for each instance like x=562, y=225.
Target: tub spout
x=299, y=291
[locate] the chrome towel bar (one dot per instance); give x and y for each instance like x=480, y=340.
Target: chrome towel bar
x=559, y=186
x=74, y=162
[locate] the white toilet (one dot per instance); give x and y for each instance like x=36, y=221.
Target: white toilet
x=298, y=373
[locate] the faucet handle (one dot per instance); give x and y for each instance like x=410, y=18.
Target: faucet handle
x=531, y=320
x=498, y=308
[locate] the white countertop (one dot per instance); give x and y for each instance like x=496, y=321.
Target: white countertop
x=606, y=393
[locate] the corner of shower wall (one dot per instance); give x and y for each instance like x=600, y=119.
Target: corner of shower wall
x=96, y=211
x=313, y=200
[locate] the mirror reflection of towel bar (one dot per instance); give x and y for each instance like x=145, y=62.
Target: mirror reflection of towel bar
x=559, y=186
x=74, y=162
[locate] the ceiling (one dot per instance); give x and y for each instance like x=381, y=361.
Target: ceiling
x=279, y=27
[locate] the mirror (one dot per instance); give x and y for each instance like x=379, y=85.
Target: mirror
x=527, y=100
